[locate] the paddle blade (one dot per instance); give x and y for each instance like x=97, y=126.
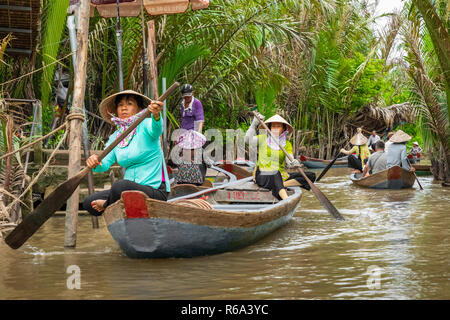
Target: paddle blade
x=322, y=198
x=326, y=203
x=44, y=211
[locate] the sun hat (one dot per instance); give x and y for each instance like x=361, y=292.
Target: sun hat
x=415, y=143
x=358, y=139
x=280, y=119
x=108, y=105
x=400, y=137
x=191, y=139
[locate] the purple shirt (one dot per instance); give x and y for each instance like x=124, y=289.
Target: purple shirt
x=192, y=114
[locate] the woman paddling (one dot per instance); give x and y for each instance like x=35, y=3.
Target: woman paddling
x=140, y=152
x=270, y=171
x=359, y=154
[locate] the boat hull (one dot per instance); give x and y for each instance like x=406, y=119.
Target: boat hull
x=162, y=230
x=392, y=178
x=312, y=163
x=165, y=238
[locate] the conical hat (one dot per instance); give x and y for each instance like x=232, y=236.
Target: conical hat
x=358, y=139
x=108, y=104
x=400, y=137
x=280, y=119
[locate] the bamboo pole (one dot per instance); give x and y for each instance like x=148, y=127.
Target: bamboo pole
x=71, y=222
x=151, y=56
x=153, y=64
x=37, y=120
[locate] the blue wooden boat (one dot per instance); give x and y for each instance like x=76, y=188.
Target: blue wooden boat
x=392, y=178
x=224, y=220
x=313, y=163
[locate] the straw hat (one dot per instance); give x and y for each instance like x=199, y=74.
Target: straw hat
x=280, y=119
x=108, y=104
x=400, y=137
x=191, y=140
x=415, y=143
x=358, y=139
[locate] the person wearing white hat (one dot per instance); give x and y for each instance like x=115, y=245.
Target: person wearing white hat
x=397, y=155
x=359, y=154
x=140, y=152
x=414, y=153
x=269, y=171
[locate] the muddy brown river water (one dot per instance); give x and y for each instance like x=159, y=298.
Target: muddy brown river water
x=394, y=244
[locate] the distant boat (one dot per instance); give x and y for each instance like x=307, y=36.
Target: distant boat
x=227, y=219
x=314, y=163
x=422, y=169
x=392, y=178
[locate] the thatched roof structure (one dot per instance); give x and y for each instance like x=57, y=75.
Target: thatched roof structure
x=20, y=18
x=384, y=119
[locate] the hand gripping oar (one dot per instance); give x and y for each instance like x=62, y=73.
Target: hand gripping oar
x=322, y=198
x=328, y=167
x=59, y=196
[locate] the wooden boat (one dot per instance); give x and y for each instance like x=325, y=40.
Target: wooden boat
x=314, y=163
x=392, y=178
x=224, y=220
x=422, y=169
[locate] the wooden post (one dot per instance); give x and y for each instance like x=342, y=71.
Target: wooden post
x=84, y=130
x=71, y=222
x=151, y=55
x=153, y=64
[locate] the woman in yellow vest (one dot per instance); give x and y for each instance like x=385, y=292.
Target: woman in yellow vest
x=359, y=154
x=270, y=170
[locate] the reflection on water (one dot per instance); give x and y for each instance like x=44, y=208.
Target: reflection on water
x=401, y=233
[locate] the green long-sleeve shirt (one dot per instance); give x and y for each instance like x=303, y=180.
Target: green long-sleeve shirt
x=143, y=158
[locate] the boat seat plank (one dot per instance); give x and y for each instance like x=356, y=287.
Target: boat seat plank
x=246, y=186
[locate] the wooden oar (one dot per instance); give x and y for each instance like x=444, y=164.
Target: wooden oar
x=417, y=179
x=322, y=198
x=328, y=167
x=63, y=192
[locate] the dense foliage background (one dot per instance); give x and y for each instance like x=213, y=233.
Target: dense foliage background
x=319, y=63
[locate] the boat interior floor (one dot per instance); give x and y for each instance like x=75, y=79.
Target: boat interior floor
x=247, y=194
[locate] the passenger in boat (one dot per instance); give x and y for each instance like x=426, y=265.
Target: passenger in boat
x=388, y=143
x=377, y=160
x=373, y=138
x=140, y=152
x=269, y=171
x=397, y=155
x=414, y=153
x=193, y=163
x=358, y=155
x=191, y=110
